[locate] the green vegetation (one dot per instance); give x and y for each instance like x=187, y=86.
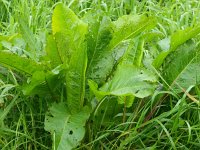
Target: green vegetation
x=96, y=74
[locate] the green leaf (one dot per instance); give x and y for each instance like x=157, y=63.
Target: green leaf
x=182, y=36
x=67, y=129
x=177, y=39
x=134, y=53
x=63, y=19
x=133, y=56
x=110, y=43
x=63, y=47
x=99, y=37
x=128, y=80
x=70, y=33
x=37, y=79
x=44, y=83
x=128, y=26
x=52, y=52
x=19, y=63
x=75, y=79
x=94, y=88
x=182, y=67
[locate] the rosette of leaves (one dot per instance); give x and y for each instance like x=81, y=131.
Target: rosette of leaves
x=96, y=50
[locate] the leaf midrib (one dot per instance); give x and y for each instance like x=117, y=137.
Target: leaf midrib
x=183, y=71
x=130, y=35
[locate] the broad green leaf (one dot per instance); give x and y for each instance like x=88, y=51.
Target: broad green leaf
x=75, y=79
x=99, y=37
x=111, y=43
x=128, y=26
x=94, y=88
x=133, y=56
x=128, y=80
x=182, y=36
x=134, y=53
x=70, y=33
x=61, y=31
x=66, y=128
x=37, y=79
x=68, y=30
x=63, y=19
x=52, y=52
x=177, y=39
x=19, y=63
x=130, y=54
x=63, y=44
x=182, y=67
x=44, y=83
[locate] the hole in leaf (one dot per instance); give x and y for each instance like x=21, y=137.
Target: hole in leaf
x=70, y=132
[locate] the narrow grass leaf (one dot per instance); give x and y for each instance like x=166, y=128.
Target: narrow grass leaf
x=168, y=135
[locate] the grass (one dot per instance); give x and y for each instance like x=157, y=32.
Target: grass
x=166, y=120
